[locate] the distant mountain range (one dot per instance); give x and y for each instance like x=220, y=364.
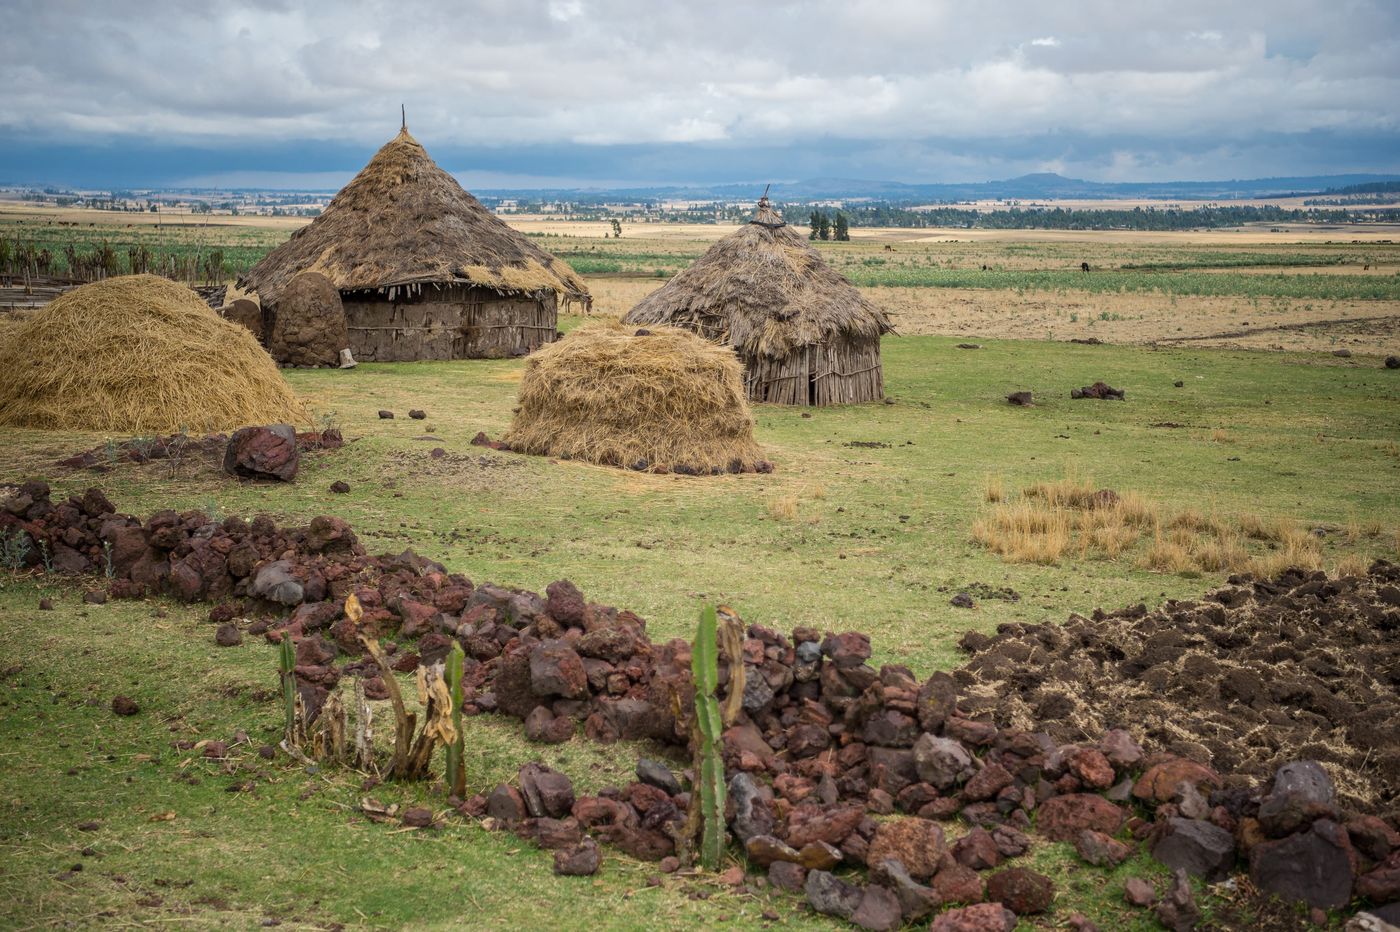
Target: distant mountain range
x=1039, y=186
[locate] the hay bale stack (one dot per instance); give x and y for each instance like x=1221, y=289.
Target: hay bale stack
x=138, y=354
x=306, y=327
x=665, y=401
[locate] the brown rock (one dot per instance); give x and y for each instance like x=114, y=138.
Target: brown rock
x=1061, y=818
x=228, y=635
x=984, y=917
x=1022, y=891
x=763, y=850
x=820, y=856
x=977, y=850
x=1101, y=850
x=1139, y=892
x=988, y=782
x=785, y=875
x=918, y=844
x=1092, y=768
x=829, y=824
x=581, y=860
x=1159, y=783
x=263, y=453
x=956, y=883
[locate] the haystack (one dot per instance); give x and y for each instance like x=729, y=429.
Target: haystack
x=137, y=355
x=424, y=270
x=664, y=401
x=805, y=334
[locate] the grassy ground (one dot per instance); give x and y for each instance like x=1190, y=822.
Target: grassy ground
x=885, y=498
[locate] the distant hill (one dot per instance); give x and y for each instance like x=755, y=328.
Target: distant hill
x=1038, y=186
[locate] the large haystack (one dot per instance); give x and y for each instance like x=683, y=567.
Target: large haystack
x=664, y=401
x=805, y=334
x=424, y=270
x=137, y=355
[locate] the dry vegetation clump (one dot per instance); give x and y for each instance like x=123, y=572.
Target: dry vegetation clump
x=783, y=508
x=1262, y=671
x=138, y=354
x=1073, y=516
x=665, y=401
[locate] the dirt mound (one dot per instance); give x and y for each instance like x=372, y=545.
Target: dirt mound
x=306, y=327
x=1256, y=674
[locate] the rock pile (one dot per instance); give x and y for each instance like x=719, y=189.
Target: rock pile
x=827, y=741
x=1257, y=673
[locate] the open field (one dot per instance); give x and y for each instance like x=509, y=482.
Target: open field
x=871, y=522
x=886, y=499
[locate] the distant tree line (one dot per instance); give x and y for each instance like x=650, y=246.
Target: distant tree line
x=1060, y=218
x=825, y=227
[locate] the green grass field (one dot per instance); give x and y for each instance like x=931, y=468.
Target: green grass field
x=886, y=495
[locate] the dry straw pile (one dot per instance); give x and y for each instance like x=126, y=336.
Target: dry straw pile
x=137, y=354
x=663, y=401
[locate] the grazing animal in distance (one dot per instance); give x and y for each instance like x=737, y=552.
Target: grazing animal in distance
x=1083, y=266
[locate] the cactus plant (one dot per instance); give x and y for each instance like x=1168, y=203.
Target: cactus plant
x=286, y=665
x=456, y=773
x=704, y=665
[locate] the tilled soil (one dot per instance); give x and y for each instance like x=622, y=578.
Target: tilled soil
x=1256, y=674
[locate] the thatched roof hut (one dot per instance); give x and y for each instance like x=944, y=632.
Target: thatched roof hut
x=661, y=400
x=424, y=270
x=805, y=334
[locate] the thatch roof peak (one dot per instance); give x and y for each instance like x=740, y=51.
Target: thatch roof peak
x=766, y=216
x=403, y=220
x=764, y=290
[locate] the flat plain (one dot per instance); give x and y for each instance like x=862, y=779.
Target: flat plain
x=867, y=523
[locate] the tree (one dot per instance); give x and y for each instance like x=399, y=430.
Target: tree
x=816, y=224
x=842, y=232
x=824, y=229
x=617, y=229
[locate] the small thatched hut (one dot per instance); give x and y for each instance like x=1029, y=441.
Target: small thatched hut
x=423, y=269
x=660, y=400
x=806, y=336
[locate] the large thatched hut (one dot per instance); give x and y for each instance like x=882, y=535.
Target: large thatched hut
x=805, y=335
x=424, y=270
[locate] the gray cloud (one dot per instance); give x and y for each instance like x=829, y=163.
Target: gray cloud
x=1184, y=86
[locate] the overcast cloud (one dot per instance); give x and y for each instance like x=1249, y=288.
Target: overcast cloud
x=606, y=91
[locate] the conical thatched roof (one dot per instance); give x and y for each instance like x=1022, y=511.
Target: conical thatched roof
x=764, y=290
x=403, y=220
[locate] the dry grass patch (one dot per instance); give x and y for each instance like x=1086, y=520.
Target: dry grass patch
x=783, y=508
x=1025, y=532
x=1049, y=520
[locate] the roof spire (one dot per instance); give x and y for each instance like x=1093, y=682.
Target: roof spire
x=766, y=216
x=403, y=115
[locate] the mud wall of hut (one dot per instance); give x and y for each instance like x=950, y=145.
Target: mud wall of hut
x=446, y=322
x=820, y=374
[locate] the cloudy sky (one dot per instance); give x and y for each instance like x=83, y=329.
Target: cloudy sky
x=602, y=92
